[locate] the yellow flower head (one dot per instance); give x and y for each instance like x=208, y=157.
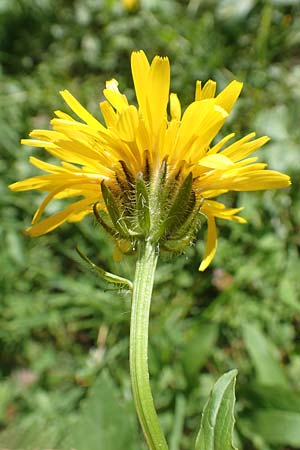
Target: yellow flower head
x=149, y=173
x=130, y=4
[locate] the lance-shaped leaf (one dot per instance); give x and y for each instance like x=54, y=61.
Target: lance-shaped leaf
x=107, y=276
x=265, y=356
x=216, y=430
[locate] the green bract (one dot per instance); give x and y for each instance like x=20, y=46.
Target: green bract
x=160, y=207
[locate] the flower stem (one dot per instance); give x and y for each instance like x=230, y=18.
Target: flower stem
x=141, y=301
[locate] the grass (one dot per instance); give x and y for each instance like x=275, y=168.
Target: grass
x=63, y=334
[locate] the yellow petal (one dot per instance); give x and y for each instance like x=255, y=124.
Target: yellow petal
x=45, y=166
x=241, y=149
x=66, y=126
x=127, y=124
x=140, y=69
x=158, y=92
x=49, y=224
x=116, y=100
x=175, y=107
x=227, y=98
x=41, y=182
x=49, y=197
x=109, y=114
x=217, y=147
x=37, y=143
x=79, y=215
x=113, y=95
x=201, y=121
x=46, y=134
x=211, y=244
x=217, y=209
x=78, y=109
x=217, y=161
x=235, y=146
x=208, y=90
x=261, y=180
x=63, y=115
x=214, y=193
x=246, y=162
x=112, y=85
x=170, y=138
x=192, y=120
x=198, y=95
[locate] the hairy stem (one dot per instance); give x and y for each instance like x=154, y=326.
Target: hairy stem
x=141, y=301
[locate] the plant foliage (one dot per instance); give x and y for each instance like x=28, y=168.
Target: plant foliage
x=60, y=325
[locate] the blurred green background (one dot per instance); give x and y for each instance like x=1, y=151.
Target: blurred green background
x=64, y=379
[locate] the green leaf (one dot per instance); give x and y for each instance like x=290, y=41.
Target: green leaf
x=107, y=276
x=199, y=343
x=216, y=430
x=264, y=357
x=277, y=427
x=178, y=425
x=275, y=397
x=103, y=423
x=32, y=433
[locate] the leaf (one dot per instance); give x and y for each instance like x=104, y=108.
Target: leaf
x=32, y=433
x=264, y=358
x=199, y=344
x=275, y=397
x=177, y=432
x=107, y=276
x=216, y=430
x=277, y=427
x=103, y=423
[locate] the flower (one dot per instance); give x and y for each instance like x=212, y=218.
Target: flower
x=130, y=4
x=147, y=175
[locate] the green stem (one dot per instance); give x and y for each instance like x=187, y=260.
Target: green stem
x=140, y=310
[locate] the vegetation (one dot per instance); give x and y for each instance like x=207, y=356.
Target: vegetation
x=64, y=372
